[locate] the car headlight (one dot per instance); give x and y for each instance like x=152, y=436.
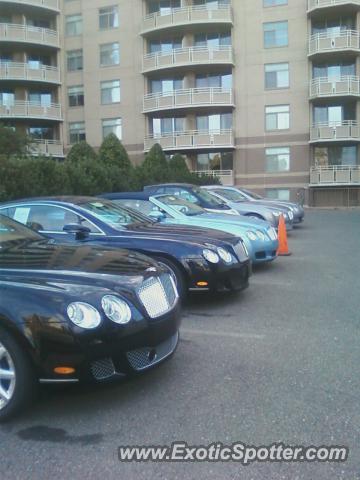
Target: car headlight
x=84, y=315
x=276, y=213
x=260, y=235
x=116, y=309
x=291, y=215
x=251, y=235
x=224, y=255
x=211, y=256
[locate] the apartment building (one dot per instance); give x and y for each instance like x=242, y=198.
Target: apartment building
x=265, y=93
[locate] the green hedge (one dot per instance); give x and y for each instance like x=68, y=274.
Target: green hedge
x=84, y=172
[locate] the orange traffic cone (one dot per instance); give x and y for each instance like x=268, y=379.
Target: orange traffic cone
x=282, y=235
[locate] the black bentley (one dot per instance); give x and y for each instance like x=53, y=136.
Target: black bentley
x=200, y=259
x=78, y=313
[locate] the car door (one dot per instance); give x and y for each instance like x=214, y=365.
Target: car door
x=49, y=220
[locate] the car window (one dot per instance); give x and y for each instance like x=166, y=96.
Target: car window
x=143, y=206
x=231, y=195
x=48, y=218
x=182, y=193
x=187, y=208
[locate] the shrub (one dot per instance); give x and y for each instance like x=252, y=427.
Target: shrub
x=13, y=142
x=81, y=151
x=155, y=168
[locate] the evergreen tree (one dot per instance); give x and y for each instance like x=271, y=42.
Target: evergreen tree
x=81, y=151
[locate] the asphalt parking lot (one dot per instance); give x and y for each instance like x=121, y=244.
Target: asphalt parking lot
x=277, y=363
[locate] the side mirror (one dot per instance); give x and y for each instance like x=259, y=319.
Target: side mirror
x=156, y=215
x=81, y=232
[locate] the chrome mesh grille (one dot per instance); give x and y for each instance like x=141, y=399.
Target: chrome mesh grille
x=158, y=295
x=102, y=369
x=272, y=234
x=240, y=251
x=146, y=357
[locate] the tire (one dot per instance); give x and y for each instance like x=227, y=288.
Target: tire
x=17, y=380
x=177, y=273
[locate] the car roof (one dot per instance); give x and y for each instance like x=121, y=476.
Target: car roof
x=127, y=195
x=190, y=185
x=72, y=199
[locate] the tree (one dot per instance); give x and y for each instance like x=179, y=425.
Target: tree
x=81, y=151
x=113, y=153
x=87, y=177
x=13, y=142
x=179, y=171
x=155, y=168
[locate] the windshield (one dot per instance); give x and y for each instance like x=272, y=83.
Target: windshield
x=187, y=208
x=114, y=215
x=231, y=195
x=208, y=198
x=11, y=231
x=253, y=195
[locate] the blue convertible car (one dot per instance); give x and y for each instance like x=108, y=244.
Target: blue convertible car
x=259, y=236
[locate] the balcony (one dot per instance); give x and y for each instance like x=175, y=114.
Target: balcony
x=192, y=140
x=348, y=131
x=319, y=4
x=336, y=175
x=226, y=177
x=180, y=57
x=191, y=98
x=23, y=109
x=195, y=15
x=46, y=4
x=346, y=40
x=325, y=87
x=20, y=33
x=24, y=71
x=53, y=148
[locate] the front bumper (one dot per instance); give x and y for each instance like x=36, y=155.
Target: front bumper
x=218, y=277
x=109, y=356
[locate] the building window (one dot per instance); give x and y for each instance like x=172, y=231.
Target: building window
x=109, y=54
x=275, y=34
x=73, y=25
x=167, y=126
x=212, y=40
x=335, y=155
x=108, y=17
x=215, y=161
x=214, y=123
x=41, y=133
x=165, y=45
x=278, y=194
x=110, y=92
x=74, y=60
x=213, y=80
x=112, y=125
x=166, y=85
x=277, y=159
x=277, y=75
x=76, y=96
x=277, y=117
x=77, y=132
x=274, y=3
x=163, y=7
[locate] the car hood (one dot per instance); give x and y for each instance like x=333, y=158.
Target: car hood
x=241, y=220
x=44, y=261
x=182, y=233
x=273, y=204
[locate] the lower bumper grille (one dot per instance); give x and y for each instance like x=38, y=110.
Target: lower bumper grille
x=102, y=369
x=146, y=357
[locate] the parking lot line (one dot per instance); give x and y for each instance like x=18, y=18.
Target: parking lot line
x=214, y=333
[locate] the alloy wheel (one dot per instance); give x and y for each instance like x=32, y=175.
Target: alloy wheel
x=7, y=377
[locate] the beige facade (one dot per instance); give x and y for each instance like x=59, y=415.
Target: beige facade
x=265, y=92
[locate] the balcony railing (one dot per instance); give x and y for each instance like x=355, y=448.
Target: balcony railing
x=186, y=15
x=23, y=109
x=192, y=140
x=335, y=87
x=24, y=71
x=335, y=175
x=52, y=148
x=12, y=32
x=48, y=4
x=188, y=56
x=193, y=97
x=314, y=4
x=334, y=42
x=348, y=130
x=226, y=176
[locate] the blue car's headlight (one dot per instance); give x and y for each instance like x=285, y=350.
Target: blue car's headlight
x=260, y=235
x=116, y=309
x=224, y=255
x=251, y=235
x=211, y=256
x=84, y=315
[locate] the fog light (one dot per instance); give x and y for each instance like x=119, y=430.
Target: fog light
x=64, y=370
